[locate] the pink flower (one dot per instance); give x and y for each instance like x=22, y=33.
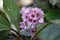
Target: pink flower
x=33, y=30
x=23, y=25
x=31, y=16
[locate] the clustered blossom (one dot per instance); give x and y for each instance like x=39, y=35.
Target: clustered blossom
x=31, y=17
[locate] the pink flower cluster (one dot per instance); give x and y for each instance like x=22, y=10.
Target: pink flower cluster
x=31, y=17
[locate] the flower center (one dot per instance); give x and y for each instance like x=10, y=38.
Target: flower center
x=30, y=20
x=26, y=16
x=34, y=20
x=38, y=14
x=33, y=15
x=26, y=23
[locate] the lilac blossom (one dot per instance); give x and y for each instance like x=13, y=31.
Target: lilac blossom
x=33, y=29
x=31, y=16
x=23, y=25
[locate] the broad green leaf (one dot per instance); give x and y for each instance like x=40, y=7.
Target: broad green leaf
x=4, y=35
x=53, y=2
x=53, y=16
x=43, y=5
x=25, y=33
x=4, y=27
x=12, y=11
x=51, y=32
x=4, y=24
x=40, y=27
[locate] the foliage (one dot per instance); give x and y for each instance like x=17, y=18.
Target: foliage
x=48, y=31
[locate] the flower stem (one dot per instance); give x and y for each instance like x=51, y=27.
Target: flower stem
x=17, y=34
x=36, y=34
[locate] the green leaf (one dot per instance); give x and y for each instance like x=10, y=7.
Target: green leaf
x=40, y=27
x=4, y=27
x=4, y=24
x=53, y=2
x=25, y=33
x=53, y=16
x=4, y=35
x=43, y=5
x=12, y=12
x=51, y=32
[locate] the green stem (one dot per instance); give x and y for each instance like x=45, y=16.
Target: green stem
x=36, y=34
x=17, y=34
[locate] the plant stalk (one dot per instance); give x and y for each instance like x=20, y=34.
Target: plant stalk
x=36, y=34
